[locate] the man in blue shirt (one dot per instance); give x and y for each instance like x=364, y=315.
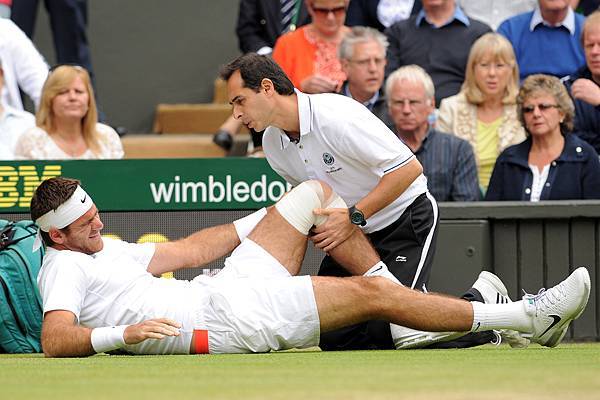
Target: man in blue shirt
x=546, y=40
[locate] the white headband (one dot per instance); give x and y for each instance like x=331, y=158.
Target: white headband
x=77, y=205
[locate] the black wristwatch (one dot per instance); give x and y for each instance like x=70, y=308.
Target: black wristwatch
x=356, y=216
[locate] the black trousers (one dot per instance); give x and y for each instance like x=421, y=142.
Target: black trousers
x=407, y=247
x=68, y=21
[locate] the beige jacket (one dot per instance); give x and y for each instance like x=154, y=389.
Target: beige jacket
x=459, y=117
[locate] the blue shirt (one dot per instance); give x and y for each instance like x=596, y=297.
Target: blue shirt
x=544, y=50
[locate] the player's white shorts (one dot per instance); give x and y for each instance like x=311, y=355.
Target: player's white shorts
x=256, y=306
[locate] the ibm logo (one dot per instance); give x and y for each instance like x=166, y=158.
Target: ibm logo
x=14, y=195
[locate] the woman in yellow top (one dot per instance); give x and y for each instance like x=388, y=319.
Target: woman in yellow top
x=484, y=112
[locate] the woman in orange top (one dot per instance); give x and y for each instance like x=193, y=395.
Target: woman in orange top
x=308, y=55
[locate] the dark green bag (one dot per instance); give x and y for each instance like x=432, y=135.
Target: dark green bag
x=20, y=301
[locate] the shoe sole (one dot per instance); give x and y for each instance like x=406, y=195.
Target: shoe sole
x=561, y=330
x=495, y=282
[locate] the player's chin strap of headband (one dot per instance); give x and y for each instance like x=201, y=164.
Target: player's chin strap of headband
x=77, y=205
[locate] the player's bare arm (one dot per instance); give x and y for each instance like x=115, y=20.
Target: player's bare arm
x=195, y=250
x=389, y=188
x=63, y=337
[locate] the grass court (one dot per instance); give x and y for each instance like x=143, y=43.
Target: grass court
x=570, y=371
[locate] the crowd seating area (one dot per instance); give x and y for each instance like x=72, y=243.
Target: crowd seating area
x=186, y=130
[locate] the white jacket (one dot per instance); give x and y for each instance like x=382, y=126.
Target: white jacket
x=23, y=66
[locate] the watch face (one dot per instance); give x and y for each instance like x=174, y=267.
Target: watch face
x=357, y=218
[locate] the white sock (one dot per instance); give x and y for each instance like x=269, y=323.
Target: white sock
x=380, y=269
x=500, y=316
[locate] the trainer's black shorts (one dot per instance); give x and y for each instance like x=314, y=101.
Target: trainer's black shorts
x=407, y=247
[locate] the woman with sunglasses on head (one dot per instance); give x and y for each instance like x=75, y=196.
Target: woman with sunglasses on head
x=67, y=122
x=551, y=164
x=484, y=111
x=308, y=55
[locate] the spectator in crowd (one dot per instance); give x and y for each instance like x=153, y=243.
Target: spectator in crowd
x=448, y=162
x=484, y=112
x=546, y=40
x=23, y=66
x=551, y=164
x=13, y=123
x=585, y=7
x=309, y=54
x=583, y=85
x=261, y=22
x=380, y=14
x=67, y=122
x=437, y=39
x=493, y=12
x=68, y=21
x=362, y=53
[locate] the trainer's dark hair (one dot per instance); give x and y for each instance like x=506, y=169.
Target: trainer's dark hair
x=254, y=68
x=49, y=195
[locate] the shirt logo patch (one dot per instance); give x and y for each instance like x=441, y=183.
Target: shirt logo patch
x=328, y=159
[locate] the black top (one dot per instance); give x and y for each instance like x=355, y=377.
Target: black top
x=442, y=52
x=364, y=13
x=587, y=116
x=259, y=23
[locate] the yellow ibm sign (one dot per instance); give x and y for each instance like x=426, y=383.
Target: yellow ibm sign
x=10, y=177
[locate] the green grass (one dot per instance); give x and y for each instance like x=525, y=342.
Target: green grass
x=570, y=371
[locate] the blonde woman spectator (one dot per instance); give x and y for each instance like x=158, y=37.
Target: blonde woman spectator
x=484, y=112
x=67, y=122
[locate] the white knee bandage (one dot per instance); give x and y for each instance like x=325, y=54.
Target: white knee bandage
x=297, y=206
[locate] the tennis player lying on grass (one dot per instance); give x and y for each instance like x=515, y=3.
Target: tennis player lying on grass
x=101, y=294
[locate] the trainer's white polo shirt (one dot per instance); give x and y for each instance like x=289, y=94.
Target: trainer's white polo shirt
x=343, y=144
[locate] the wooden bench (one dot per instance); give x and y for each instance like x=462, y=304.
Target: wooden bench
x=170, y=146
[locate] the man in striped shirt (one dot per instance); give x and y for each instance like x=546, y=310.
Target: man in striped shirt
x=448, y=161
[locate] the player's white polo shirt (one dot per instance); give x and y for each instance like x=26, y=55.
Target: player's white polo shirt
x=344, y=144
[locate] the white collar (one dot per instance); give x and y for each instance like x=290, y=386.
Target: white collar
x=568, y=22
x=305, y=116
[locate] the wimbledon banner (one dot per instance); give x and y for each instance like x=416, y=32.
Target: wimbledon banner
x=147, y=185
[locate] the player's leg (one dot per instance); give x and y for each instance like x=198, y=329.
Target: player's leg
x=544, y=318
x=345, y=301
x=282, y=232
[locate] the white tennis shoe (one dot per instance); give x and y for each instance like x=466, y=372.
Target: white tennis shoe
x=553, y=310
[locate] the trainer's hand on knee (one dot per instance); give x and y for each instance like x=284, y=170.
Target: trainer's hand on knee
x=151, y=329
x=334, y=231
